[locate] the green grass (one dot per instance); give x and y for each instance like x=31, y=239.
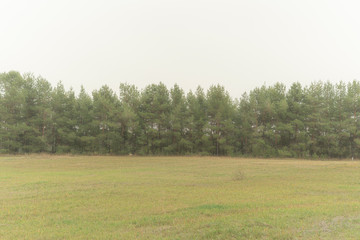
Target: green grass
x=64, y=197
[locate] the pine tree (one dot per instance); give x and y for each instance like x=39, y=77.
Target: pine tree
x=85, y=126
x=130, y=128
x=178, y=144
x=220, y=110
x=12, y=113
x=154, y=112
x=107, y=121
x=63, y=119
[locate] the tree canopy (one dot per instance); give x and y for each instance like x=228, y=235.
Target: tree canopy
x=319, y=120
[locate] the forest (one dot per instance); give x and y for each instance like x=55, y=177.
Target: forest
x=315, y=121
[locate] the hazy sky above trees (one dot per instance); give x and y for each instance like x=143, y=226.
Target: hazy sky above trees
x=239, y=44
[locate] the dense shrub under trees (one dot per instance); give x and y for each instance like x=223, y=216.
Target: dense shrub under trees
x=320, y=120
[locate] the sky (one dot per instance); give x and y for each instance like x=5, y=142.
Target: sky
x=239, y=44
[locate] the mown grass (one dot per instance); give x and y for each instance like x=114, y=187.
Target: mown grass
x=63, y=197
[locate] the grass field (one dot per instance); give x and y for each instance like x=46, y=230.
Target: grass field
x=64, y=197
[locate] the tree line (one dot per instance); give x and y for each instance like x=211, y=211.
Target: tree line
x=315, y=121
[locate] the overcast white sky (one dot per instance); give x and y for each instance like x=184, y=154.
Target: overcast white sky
x=240, y=44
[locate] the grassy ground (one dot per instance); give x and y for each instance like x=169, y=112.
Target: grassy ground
x=60, y=197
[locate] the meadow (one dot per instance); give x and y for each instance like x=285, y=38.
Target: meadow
x=81, y=197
